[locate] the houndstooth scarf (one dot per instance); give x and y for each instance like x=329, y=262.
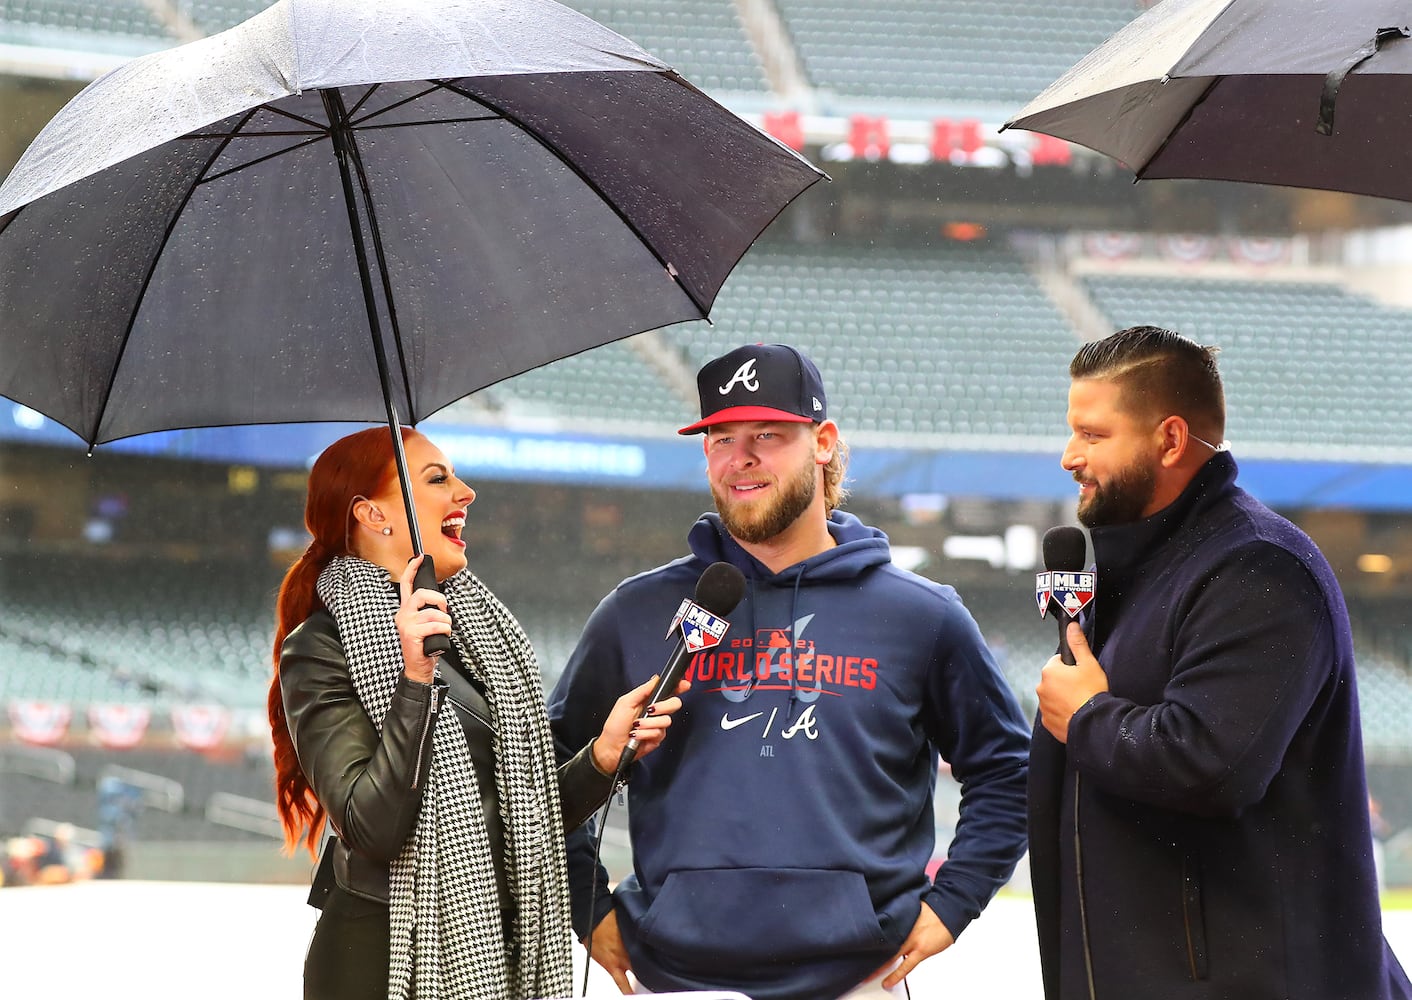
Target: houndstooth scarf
x=447, y=933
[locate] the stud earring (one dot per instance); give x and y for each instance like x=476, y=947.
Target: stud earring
x=387, y=531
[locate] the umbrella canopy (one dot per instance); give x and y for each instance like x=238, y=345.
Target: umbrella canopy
x=1287, y=92
x=351, y=210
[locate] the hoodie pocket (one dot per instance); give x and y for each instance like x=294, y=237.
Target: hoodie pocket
x=1193, y=918
x=765, y=915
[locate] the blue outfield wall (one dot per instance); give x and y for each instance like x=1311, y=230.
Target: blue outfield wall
x=674, y=462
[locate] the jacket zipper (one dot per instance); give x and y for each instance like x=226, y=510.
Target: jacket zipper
x=1079, y=877
x=1186, y=926
x=426, y=727
x=1192, y=921
x=1091, y=633
x=472, y=713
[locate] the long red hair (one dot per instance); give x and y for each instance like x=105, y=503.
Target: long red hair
x=360, y=464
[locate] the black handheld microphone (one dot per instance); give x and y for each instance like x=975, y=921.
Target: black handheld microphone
x=718, y=591
x=1063, y=553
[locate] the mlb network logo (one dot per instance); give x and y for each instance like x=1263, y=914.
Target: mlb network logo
x=699, y=628
x=1072, y=591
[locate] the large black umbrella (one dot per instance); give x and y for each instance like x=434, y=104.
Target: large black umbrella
x=362, y=210
x=1287, y=92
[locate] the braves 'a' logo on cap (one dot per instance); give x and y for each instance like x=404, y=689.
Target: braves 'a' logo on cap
x=745, y=376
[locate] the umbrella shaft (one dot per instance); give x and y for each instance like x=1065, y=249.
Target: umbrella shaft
x=346, y=152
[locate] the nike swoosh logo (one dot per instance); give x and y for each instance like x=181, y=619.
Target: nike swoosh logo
x=727, y=723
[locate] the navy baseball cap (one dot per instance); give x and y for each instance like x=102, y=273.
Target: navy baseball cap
x=759, y=382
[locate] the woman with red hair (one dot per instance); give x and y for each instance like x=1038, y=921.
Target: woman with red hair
x=436, y=774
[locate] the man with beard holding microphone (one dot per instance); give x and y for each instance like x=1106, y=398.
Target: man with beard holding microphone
x=781, y=849
x=1198, y=806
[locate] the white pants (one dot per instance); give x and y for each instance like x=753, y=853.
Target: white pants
x=873, y=990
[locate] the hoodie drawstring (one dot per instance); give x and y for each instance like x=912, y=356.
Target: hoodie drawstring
x=793, y=619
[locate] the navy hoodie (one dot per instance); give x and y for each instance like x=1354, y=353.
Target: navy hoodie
x=781, y=833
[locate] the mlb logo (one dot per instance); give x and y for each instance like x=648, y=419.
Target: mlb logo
x=700, y=629
x=1042, y=590
x=774, y=646
x=676, y=619
x=774, y=638
x=1073, y=591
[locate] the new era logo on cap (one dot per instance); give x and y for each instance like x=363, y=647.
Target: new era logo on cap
x=759, y=382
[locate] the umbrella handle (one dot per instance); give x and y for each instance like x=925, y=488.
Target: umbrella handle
x=425, y=579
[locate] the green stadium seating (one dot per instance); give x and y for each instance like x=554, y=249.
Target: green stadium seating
x=1288, y=354
x=982, y=51
x=71, y=23
x=701, y=39
x=949, y=340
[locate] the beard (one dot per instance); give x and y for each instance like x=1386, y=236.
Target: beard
x=1122, y=500
x=755, y=522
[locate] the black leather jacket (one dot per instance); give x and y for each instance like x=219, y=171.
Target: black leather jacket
x=371, y=786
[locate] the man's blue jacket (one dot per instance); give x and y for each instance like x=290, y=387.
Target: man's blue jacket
x=1205, y=832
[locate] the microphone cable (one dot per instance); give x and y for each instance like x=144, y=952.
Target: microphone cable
x=619, y=782
x=718, y=590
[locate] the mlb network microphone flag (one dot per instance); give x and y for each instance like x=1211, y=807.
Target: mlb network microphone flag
x=1065, y=590
x=699, y=628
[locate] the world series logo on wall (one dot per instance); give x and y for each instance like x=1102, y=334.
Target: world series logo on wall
x=1072, y=591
